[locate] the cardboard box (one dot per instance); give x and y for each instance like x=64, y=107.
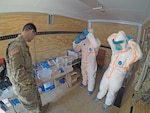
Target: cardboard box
x=72, y=78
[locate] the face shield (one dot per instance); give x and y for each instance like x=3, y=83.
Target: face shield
x=118, y=44
x=120, y=41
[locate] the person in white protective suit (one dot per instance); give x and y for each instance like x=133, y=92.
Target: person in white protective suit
x=124, y=53
x=89, y=46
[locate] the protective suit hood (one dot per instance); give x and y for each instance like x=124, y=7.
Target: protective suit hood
x=95, y=42
x=120, y=39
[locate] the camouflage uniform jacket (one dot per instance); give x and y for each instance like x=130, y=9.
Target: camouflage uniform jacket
x=19, y=67
x=141, y=82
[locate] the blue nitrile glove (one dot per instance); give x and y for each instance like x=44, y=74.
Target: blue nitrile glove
x=85, y=32
x=129, y=37
x=77, y=40
x=81, y=36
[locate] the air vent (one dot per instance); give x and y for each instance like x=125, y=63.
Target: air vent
x=51, y=19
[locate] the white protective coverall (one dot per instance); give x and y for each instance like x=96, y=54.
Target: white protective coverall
x=120, y=61
x=89, y=48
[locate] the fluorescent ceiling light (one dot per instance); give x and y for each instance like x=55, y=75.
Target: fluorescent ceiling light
x=98, y=8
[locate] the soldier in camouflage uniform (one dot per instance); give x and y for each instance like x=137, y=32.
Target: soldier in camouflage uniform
x=141, y=82
x=20, y=70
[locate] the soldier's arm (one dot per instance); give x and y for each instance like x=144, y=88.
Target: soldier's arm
x=143, y=73
x=17, y=64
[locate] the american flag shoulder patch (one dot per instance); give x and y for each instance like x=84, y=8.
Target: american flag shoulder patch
x=14, y=51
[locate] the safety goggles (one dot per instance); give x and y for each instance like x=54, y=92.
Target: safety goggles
x=118, y=42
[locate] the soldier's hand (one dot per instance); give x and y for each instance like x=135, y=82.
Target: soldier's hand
x=39, y=82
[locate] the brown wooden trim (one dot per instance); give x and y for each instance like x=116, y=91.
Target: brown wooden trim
x=39, y=33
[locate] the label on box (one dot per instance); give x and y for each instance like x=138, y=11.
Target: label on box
x=15, y=101
x=48, y=86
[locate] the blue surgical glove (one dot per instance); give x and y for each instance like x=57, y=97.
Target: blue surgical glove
x=129, y=37
x=77, y=40
x=81, y=36
x=85, y=32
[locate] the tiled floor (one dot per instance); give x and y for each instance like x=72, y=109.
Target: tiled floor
x=71, y=100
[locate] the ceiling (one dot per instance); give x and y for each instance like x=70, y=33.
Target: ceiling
x=136, y=11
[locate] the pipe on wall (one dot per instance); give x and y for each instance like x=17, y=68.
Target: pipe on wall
x=120, y=22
